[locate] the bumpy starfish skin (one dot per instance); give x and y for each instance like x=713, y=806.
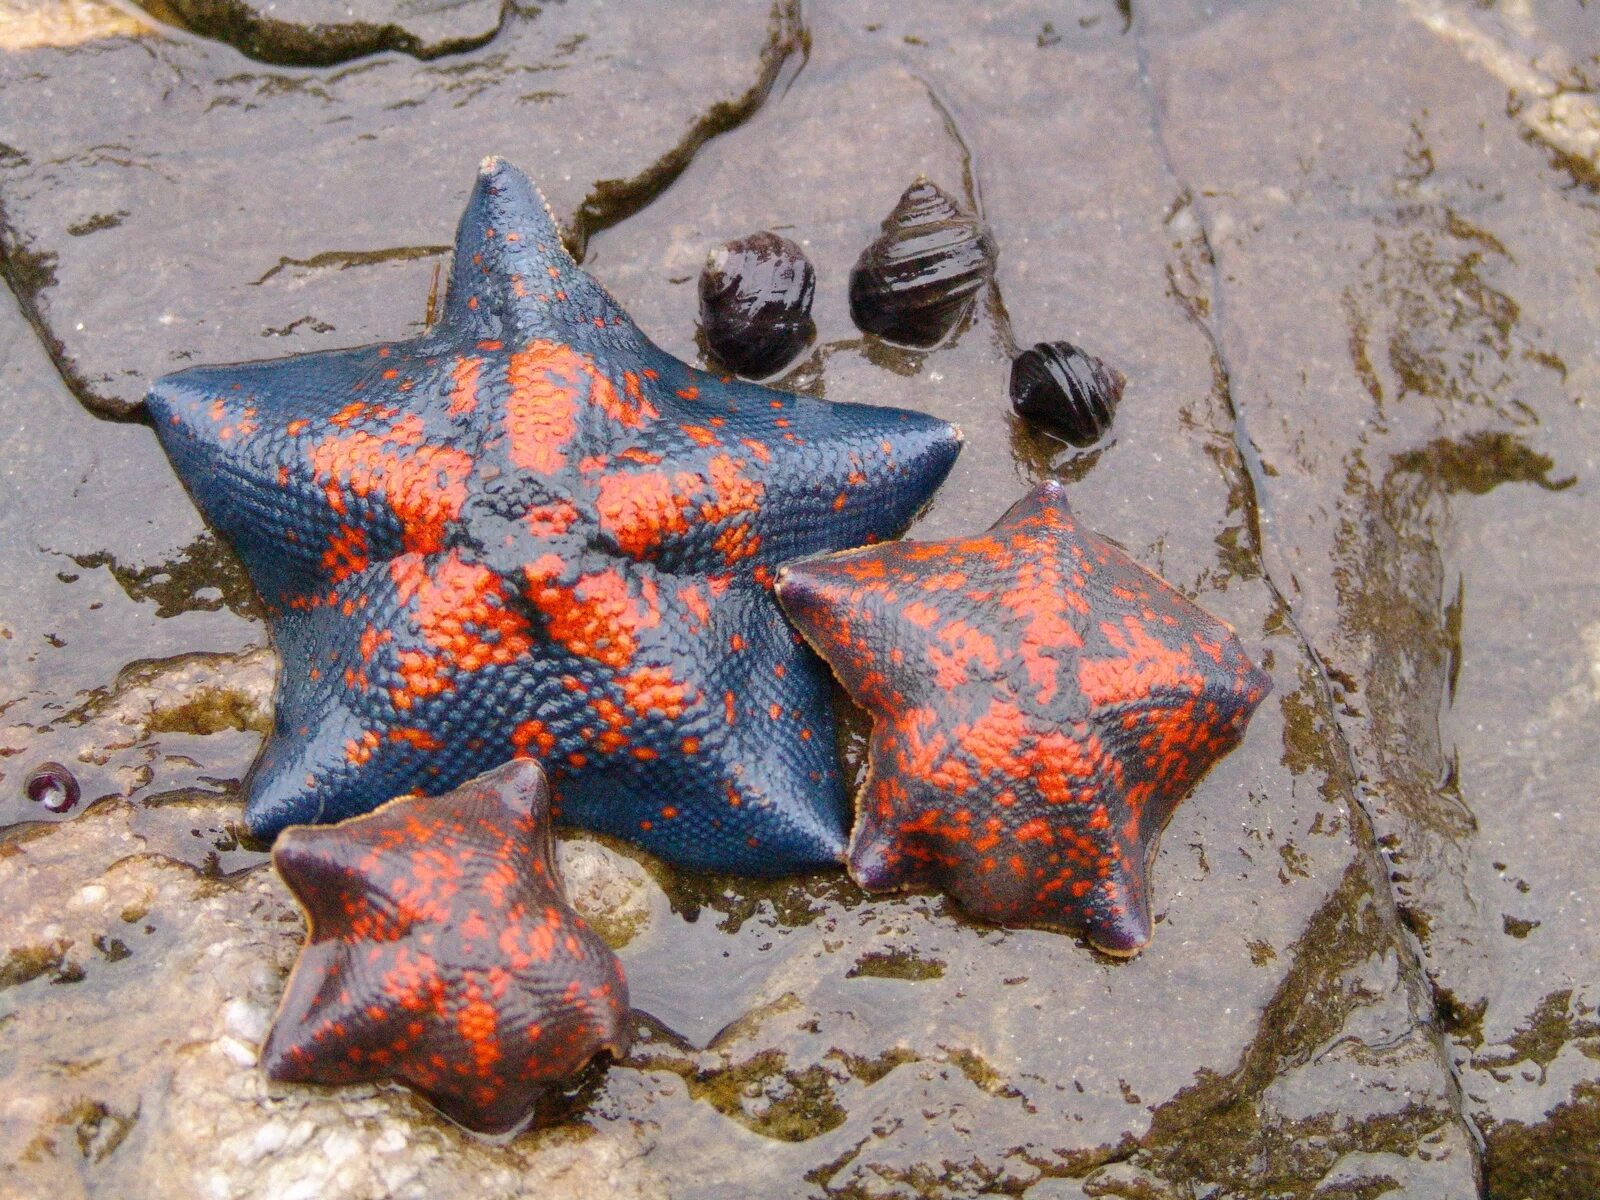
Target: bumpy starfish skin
x=442, y=954
x=532, y=531
x=1040, y=704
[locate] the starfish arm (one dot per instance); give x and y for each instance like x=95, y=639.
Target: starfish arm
x=707, y=739
x=406, y=676
x=512, y=279
x=773, y=476
x=363, y=1010
x=318, y=1020
x=1047, y=501
x=307, y=478
x=876, y=854
x=339, y=902
x=856, y=610
x=1024, y=826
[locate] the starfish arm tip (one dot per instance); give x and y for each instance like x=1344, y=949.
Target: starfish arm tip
x=279, y=794
x=503, y=1117
x=1124, y=932
x=172, y=405
x=276, y=1061
x=520, y=786
x=1118, y=950
x=872, y=862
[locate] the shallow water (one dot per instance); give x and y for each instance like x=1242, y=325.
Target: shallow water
x=1344, y=254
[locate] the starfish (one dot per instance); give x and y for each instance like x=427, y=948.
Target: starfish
x=531, y=531
x=442, y=953
x=1040, y=703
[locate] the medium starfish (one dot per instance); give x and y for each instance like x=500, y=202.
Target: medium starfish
x=532, y=531
x=443, y=954
x=1040, y=704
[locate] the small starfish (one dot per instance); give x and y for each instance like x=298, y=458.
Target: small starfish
x=532, y=531
x=442, y=954
x=1040, y=704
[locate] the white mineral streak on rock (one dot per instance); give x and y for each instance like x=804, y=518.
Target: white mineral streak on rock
x=1567, y=120
x=28, y=24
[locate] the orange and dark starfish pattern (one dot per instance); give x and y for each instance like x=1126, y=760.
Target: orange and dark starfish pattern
x=531, y=531
x=1040, y=704
x=443, y=954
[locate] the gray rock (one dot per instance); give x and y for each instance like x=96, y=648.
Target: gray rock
x=141, y=239
x=1425, y=380
x=1354, y=299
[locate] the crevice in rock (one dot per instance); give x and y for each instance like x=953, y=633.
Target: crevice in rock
x=339, y=260
x=24, y=274
x=611, y=201
x=250, y=30
x=1250, y=482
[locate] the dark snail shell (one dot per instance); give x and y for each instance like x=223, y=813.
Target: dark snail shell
x=53, y=786
x=755, y=304
x=917, y=280
x=1059, y=386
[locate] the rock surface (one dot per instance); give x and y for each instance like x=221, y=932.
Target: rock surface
x=1343, y=253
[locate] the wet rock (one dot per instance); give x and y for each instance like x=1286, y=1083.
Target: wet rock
x=141, y=240
x=190, y=969
x=1358, y=301
x=311, y=33
x=1426, y=272
x=127, y=645
x=608, y=887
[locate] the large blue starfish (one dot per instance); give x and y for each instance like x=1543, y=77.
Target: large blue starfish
x=531, y=531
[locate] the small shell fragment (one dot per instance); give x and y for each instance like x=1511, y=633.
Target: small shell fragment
x=53, y=786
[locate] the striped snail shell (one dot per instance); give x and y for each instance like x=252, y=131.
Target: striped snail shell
x=1059, y=386
x=53, y=786
x=915, y=283
x=755, y=304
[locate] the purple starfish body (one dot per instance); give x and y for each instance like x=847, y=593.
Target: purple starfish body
x=443, y=954
x=1040, y=704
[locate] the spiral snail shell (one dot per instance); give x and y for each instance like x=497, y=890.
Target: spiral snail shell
x=755, y=304
x=1057, y=385
x=53, y=786
x=915, y=283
